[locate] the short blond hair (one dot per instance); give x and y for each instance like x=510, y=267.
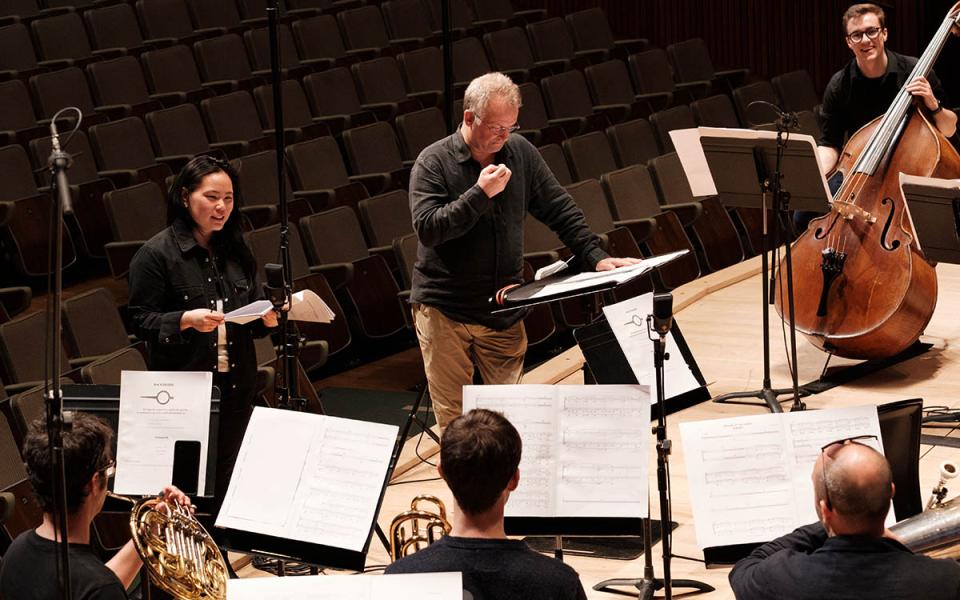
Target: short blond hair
x=487, y=86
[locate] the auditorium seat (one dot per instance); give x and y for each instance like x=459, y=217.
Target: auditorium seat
x=120, y=90
x=363, y=29
x=253, y=13
x=107, y=369
x=423, y=72
x=556, y=161
x=665, y=121
x=383, y=92
x=19, y=11
x=373, y=149
x=22, y=352
x=317, y=166
x=469, y=60
x=709, y=226
x=259, y=184
x=796, y=91
x=409, y=19
x=633, y=142
x=550, y=40
x=17, y=55
x=590, y=30
x=87, y=220
x=589, y=155
x=18, y=121
x=92, y=325
x=13, y=301
x=169, y=20
x=135, y=215
x=609, y=84
x=116, y=26
x=567, y=97
x=385, y=218
x=691, y=62
x=216, y=14
x=653, y=76
x=257, y=42
x=715, y=111
x=534, y=123
x=64, y=38
x=26, y=513
x=125, y=155
x=419, y=129
x=25, y=217
x=298, y=121
x=461, y=16
x=223, y=63
x=760, y=114
x=319, y=43
x=172, y=73
x=265, y=244
x=59, y=89
x=502, y=11
x=633, y=201
x=179, y=132
x=233, y=118
x=334, y=100
x=510, y=53
x=335, y=244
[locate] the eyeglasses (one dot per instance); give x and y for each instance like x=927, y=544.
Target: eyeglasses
x=857, y=36
x=498, y=130
x=109, y=469
x=828, y=453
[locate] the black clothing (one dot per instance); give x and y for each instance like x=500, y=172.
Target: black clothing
x=30, y=572
x=172, y=274
x=471, y=245
x=806, y=564
x=496, y=569
x=851, y=99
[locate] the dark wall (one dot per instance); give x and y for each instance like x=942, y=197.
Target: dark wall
x=771, y=36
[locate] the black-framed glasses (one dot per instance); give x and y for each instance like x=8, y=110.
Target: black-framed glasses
x=109, y=469
x=500, y=130
x=828, y=451
x=871, y=34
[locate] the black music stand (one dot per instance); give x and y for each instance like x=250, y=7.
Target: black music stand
x=935, y=209
x=738, y=161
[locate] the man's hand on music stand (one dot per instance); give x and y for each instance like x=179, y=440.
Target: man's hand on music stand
x=611, y=263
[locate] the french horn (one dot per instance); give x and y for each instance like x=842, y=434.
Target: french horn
x=936, y=531
x=425, y=527
x=180, y=556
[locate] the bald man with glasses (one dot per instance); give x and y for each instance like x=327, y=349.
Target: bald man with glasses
x=849, y=553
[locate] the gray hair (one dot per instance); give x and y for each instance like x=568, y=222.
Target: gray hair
x=490, y=85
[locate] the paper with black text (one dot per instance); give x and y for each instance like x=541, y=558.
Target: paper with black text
x=628, y=321
x=325, y=486
x=584, y=447
x=618, y=275
x=749, y=477
x=416, y=586
x=158, y=408
x=307, y=306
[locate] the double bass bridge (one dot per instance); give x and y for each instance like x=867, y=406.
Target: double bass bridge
x=849, y=211
x=831, y=266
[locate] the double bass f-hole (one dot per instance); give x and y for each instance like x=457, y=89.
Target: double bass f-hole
x=884, y=242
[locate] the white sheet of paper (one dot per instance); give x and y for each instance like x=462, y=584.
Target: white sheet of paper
x=157, y=408
x=584, y=447
x=618, y=275
x=248, y=313
x=749, y=477
x=326, y=488
x=690, y=151
x=628, y=321
x=418, y=586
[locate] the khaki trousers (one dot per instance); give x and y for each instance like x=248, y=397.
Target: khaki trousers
x=451, y=349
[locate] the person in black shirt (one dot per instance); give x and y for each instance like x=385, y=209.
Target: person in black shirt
x=184, y=279
x=469, y=195
x=865, y=88
x=479, y=456
x=849, y=553
x=30, y=564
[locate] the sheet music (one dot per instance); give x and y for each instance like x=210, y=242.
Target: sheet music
x=307, y=306
x=618, y=275
x=690, y=151
x=628, y=321
x=584, y=447
x=157, y=409
x=749, y=477
x=307, y=477
x=418, y=586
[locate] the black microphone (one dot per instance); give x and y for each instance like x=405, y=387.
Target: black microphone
x=274, y=286
x=785, y=119
x=59, y=162
x=662, y=313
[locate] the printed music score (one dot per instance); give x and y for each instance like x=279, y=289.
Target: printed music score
x=749, y=477
x=585, y=448
x=307, y=477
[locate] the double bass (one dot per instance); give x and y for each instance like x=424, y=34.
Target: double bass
x=865, y=289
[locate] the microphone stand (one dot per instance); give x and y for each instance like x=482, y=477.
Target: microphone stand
x=59, y=162
x=649, y=584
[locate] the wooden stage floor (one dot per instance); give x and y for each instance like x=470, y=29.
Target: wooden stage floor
x=720, y=316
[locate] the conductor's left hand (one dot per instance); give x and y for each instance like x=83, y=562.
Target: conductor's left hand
x=611, y=263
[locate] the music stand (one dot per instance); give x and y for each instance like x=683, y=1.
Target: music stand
x=737, y=163
x=935, y=210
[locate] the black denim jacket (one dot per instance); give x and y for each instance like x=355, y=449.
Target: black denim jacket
x=172, y=274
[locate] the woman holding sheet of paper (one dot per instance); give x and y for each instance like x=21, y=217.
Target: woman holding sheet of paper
x=184, y=279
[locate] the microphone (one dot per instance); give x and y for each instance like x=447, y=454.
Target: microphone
x=58, y=163
x=785, y=119
x=274, y=286
x=662, y=313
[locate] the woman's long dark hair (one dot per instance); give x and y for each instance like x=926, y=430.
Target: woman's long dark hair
x=230, y=238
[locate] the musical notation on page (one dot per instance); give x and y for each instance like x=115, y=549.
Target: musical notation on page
x=585, y=448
